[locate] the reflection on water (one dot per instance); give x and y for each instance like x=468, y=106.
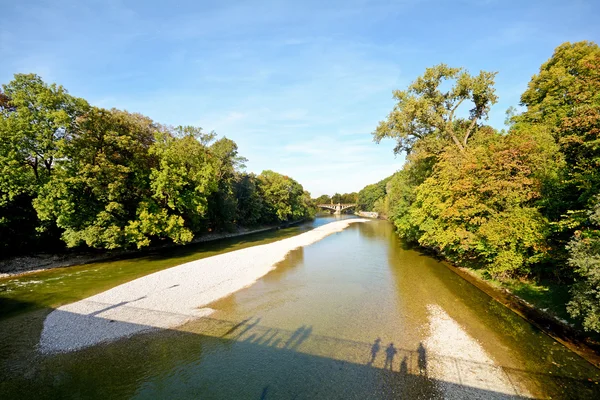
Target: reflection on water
x=343, y=318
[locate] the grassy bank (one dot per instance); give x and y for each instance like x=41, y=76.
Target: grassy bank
x=547, y=296
x=547, y=319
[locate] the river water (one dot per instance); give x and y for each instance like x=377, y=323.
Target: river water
x=355, y=315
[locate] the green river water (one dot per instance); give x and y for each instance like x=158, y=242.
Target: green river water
x=317, y=326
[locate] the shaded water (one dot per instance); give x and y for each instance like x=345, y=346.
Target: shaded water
x=319, y=326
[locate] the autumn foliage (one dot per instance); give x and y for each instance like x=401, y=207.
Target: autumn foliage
x=520, y=203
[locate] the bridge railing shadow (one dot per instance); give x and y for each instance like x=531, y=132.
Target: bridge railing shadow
x=239, y=357
x=447, y=370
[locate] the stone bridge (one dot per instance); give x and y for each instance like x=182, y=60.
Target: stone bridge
x=337, y=208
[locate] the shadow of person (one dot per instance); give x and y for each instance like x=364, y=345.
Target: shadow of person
x=404, y=366
x=303, y=336
x=390, y=353
x=294, y=336
x=263, y=395
x=239, y=325
x=422, y=359
x=374, y=350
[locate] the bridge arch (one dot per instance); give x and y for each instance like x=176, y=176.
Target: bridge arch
x=337, y=208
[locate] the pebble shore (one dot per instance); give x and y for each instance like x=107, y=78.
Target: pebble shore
x=168, y=298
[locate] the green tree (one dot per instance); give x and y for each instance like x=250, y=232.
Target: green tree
x=284, y=198
x=584, y=258
x=349, y=198
x=551, y=94
x=181, y=184
x=97, y=185
x=368, y=196
x=36, y=119
x=563, y=97
x=223, y=202
x=110, y=179
x=39, y=120
x=426, y=114
x=249, y=201
x=323, y=199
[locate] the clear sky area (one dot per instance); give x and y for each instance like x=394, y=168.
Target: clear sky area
x=299, y=85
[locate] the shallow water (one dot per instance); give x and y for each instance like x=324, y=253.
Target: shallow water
x=305, y=330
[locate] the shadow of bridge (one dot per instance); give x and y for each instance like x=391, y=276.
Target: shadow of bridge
x=212, y=358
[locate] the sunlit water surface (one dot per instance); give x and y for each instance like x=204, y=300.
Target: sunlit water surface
x=306, y=330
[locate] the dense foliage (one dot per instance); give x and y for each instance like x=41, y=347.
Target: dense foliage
x=584, y=258
x=110, y=179
x=346, y=198
x=521, y=203
x=370, y=194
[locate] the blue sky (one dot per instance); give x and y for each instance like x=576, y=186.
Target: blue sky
x=299, y=85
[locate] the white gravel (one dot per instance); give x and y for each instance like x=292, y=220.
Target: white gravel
x=168, y=298
x=462, y=366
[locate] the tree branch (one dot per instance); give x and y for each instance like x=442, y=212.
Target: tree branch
x=460, y=146
x=451, y=128
x=455, y=107
x=470, y=129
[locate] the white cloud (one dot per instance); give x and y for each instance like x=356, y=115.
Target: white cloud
x=298, y=85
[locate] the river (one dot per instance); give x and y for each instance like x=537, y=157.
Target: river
x=354, y=315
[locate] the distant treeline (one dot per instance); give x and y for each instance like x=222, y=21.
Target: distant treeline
x=346, y=198
x=77, y=175
x=517, y=203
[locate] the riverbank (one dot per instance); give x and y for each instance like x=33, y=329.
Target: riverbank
x=558, y=329
x=367, y=214
x=21, y=265
x=538, y=311
x=170, y=297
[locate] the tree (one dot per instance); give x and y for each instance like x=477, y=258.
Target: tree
x=563, y=97
x=367, y=197
x=479, y=205
x=551, y=94
x=426, y=115
x=584, y=258
x=110, y=179
x=323, y=199
x=184, y=179
x=250, y=204
x=223, y=202
x=579, y=132
x=40, y=119
x=284, y=198
x=36, y=119
x=98, y=184
x=349, y=198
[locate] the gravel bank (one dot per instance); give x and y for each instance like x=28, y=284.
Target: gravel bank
x=168, y=298
x=461, y=364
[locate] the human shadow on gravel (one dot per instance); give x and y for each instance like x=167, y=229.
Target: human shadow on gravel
x=422, y=359
x=375, y=347
x=390, y=353
x=213, y=358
